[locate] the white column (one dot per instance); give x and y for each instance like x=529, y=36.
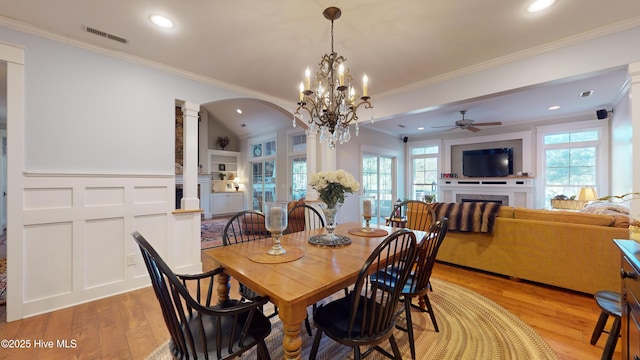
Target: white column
x=634, y=112
x=327, y=157
x=312, y=161
x=190, y=199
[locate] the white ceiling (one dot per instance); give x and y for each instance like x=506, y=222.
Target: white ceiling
x=264, y=46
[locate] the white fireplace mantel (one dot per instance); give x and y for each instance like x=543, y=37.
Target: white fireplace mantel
x=519, y=190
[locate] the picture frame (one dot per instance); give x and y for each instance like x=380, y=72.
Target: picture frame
x=229, y=186
x=221, y=167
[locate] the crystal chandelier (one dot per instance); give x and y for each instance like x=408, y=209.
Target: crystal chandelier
x=333, y=102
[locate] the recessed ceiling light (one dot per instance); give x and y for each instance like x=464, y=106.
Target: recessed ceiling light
x=239, y=111
x=420, y=128
x=539, y=5
x=554, y=107
x=162, y=21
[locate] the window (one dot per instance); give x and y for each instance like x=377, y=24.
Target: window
x=298, y=143
x=263, y=173
x=424, y=167
x=571, y=160
x=266, y=148
x=298, y=178
x=298, y=165
x=377, y=182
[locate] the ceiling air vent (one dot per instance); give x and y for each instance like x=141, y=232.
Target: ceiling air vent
x=105, y=34
x=586, y=93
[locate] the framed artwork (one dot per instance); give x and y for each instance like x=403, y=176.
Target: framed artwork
x=229, y=186
x=221, y=167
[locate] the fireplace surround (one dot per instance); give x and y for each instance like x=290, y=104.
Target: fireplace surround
x=511, y=191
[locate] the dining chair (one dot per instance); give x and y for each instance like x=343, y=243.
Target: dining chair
x=198, y=328
x=304, y=217
x=367, y=315
x=244, y=226
x=412, y=214
x=417, y=284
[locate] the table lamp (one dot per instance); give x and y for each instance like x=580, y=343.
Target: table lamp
x=587, y=194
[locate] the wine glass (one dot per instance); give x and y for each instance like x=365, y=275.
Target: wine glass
x=275, y=218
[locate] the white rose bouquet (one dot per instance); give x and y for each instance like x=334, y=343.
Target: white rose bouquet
x=333, y=185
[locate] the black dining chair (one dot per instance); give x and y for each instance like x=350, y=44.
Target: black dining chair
x=417, y=284
x=367, y=315
x=244, y=226
x=198, y=328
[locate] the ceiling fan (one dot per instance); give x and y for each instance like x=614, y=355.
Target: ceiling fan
x=468, y=124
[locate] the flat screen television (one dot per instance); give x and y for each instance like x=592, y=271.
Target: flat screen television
x=487, y=162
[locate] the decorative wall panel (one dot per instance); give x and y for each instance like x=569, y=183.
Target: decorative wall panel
x=48, y=261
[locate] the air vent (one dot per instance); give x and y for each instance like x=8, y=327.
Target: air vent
x=106, y=35
x=401, y=126
x=586, y=93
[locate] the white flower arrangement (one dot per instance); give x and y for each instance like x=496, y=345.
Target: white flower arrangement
x=333, y=185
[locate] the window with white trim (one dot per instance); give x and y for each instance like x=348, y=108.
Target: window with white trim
x=424, y=168
x=571, y=160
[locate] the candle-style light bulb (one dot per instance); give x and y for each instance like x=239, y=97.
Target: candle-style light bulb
x=301, y=91
x=307, y=79
x=341, y=74
x=365, y=85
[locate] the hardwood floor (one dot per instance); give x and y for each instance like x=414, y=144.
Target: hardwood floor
x=130, y=326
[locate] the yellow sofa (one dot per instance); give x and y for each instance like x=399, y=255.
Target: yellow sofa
x=571, y=250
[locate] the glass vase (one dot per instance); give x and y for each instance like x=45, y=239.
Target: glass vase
x=275, y=221
x=330, y=219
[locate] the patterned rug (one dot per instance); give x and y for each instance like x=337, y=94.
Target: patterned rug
x=211, y=232
x=3, y=280
x=471, y=327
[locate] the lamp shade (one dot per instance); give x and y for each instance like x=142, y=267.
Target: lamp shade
x=587, y=194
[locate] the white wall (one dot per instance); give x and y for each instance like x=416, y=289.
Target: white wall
x=92, y=159
x=621, y=147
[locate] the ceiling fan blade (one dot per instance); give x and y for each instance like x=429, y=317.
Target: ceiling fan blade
x=487, y=123
x=472, y=128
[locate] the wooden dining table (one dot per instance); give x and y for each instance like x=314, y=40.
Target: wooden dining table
x=294, y=285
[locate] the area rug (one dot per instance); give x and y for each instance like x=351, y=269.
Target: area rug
x=211, y=232
x=471, y=327
x=3, y=281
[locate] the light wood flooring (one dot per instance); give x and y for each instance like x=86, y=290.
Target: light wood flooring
x=130, y=326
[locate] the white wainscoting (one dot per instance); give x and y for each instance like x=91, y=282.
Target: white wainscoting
x=77, y=244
